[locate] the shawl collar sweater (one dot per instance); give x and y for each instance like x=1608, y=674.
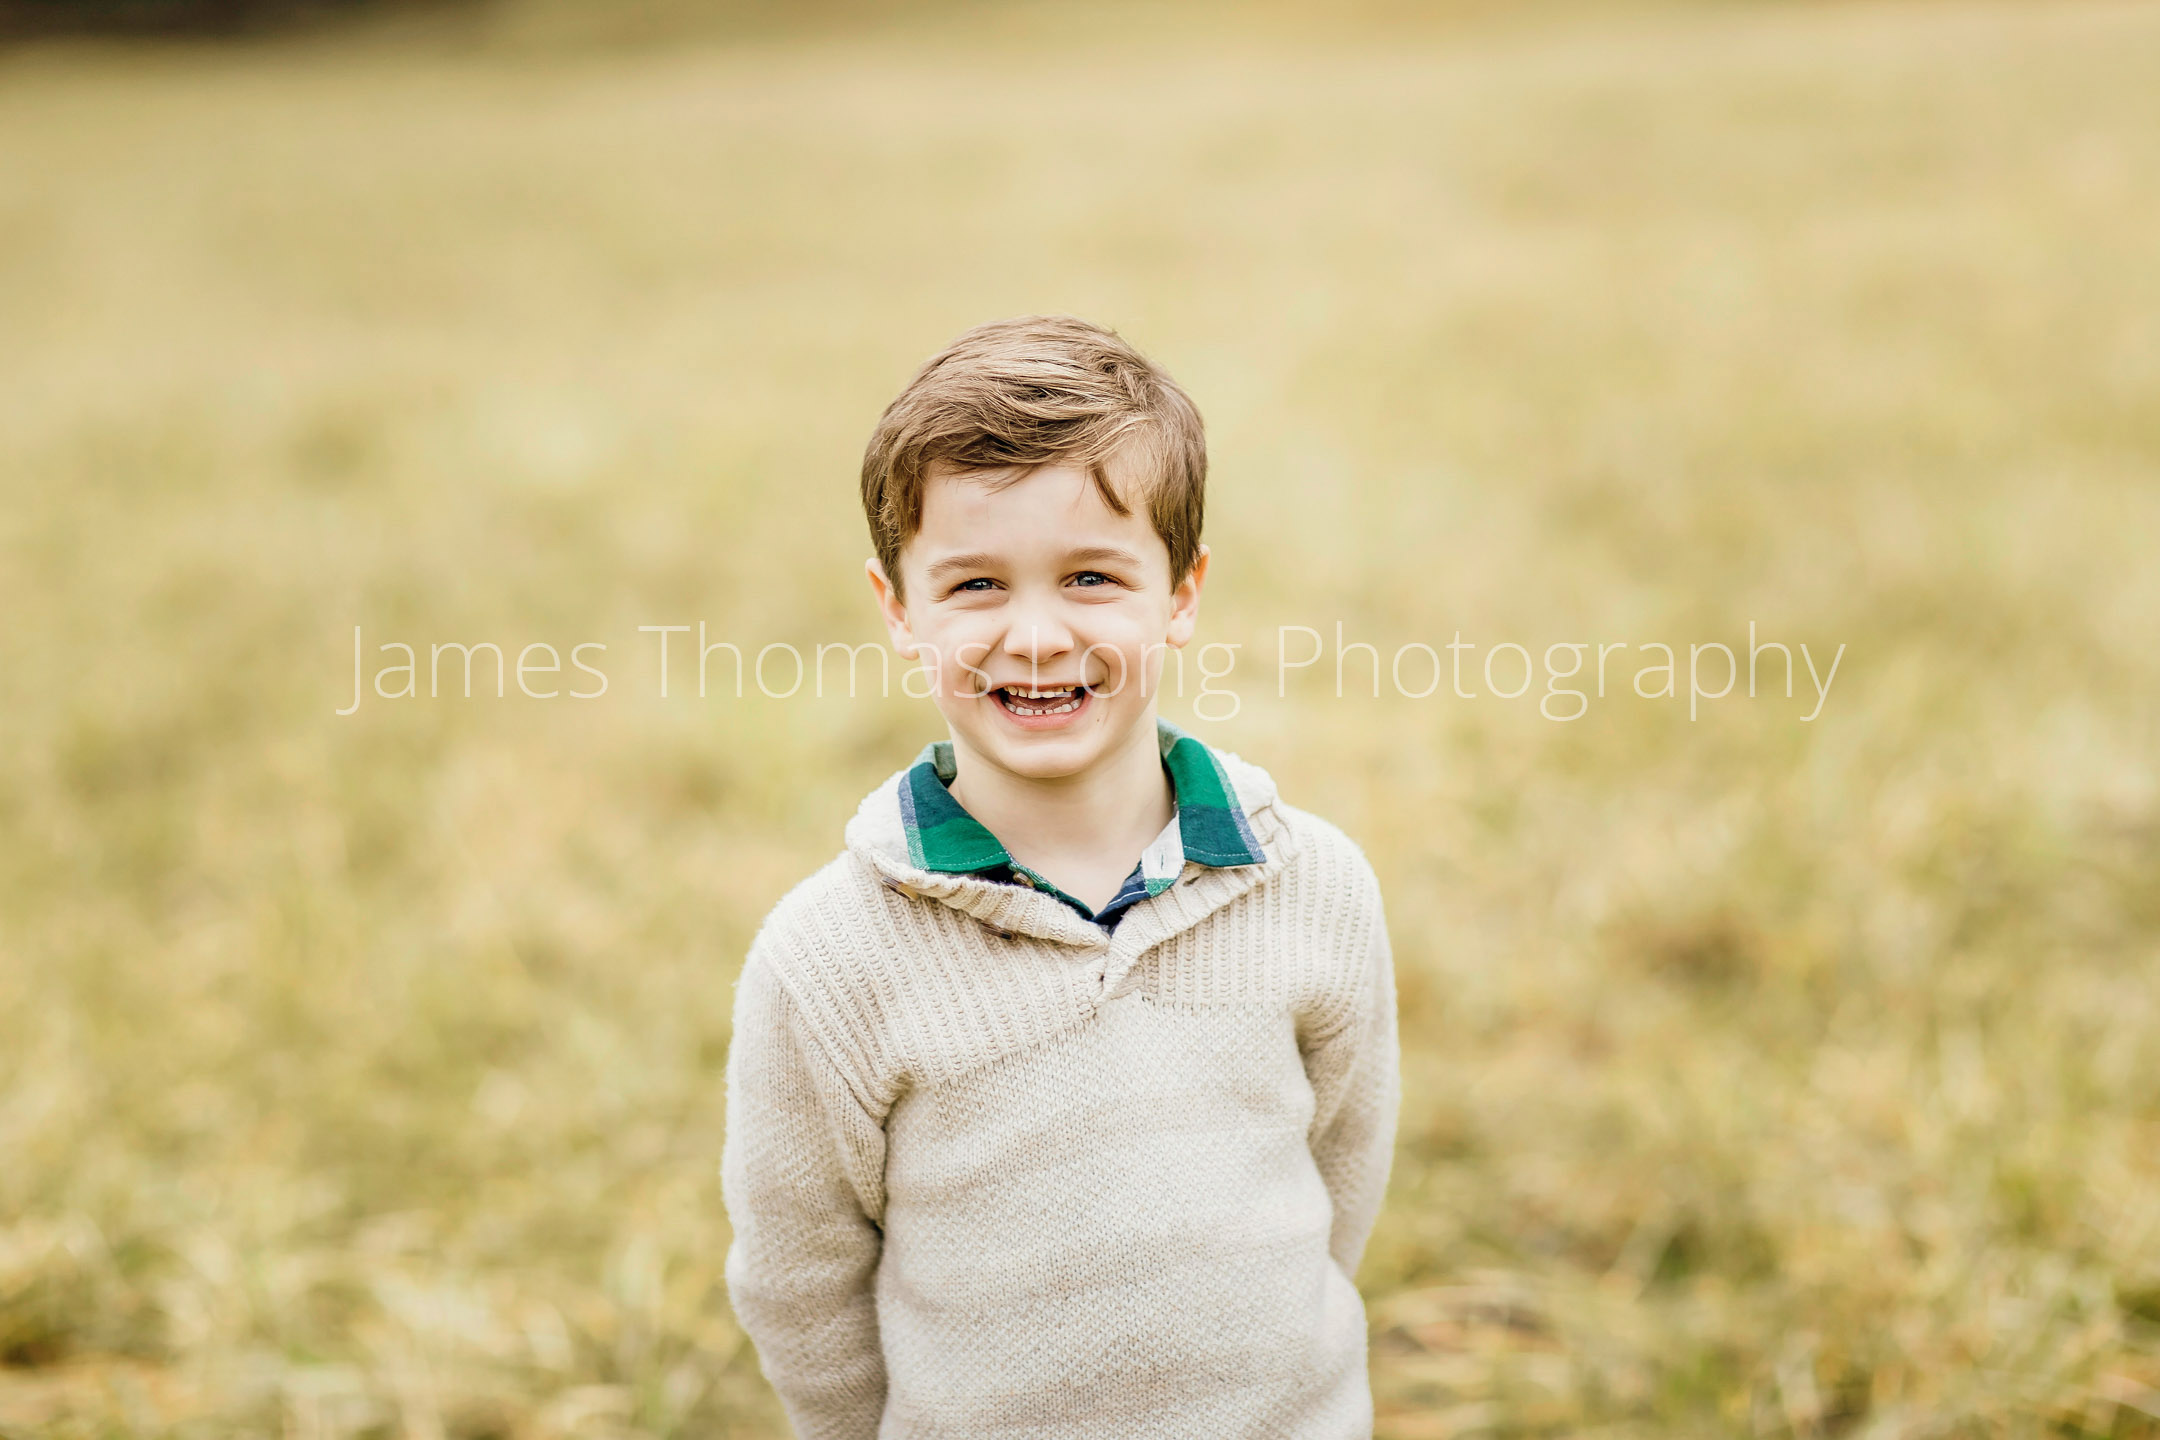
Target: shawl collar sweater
x=992, y=1171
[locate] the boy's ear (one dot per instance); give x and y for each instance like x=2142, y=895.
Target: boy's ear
x=892, y=608
x=1185, y=602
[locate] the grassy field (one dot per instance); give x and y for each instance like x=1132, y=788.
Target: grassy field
x=360, y=1076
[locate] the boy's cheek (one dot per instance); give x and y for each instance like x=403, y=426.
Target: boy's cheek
x=960, y=671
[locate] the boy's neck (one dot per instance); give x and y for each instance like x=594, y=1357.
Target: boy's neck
x=1083, y=832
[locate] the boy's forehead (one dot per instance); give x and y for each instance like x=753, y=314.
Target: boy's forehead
x=1058, y=494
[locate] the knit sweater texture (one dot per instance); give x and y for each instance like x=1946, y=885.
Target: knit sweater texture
x=994, y=1172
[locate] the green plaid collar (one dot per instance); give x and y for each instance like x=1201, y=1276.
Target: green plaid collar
x=1209, y=827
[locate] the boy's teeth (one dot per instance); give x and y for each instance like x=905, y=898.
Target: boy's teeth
x=1036, y=700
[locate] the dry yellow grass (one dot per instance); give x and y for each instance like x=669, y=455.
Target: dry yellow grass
x=361, y=1076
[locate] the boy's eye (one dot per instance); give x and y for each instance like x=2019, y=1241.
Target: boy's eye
x=980, y=582
x=1092, y=577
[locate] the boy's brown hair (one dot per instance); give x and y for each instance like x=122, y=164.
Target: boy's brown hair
x=1040, y=390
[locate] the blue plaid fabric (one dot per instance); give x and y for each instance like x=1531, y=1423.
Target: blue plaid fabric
x=1209, y=827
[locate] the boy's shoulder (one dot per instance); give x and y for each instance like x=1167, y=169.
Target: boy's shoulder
x=822, y=945
x=838, y=902
x=1309, y=845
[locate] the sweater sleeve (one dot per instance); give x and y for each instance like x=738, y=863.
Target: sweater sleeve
x=1356, y=1078
x=802, y=1176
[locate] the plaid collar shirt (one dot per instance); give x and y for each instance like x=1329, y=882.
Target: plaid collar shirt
x=1208, y=827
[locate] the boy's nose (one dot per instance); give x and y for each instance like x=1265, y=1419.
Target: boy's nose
x=1036, y=638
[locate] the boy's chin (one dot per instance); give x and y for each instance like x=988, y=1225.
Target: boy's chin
x=1059, y=754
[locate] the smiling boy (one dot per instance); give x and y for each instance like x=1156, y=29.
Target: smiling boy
x=1061, y=1103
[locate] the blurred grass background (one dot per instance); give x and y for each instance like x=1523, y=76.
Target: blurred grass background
x=361, y=1077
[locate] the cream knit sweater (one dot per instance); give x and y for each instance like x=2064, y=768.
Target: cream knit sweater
x=992, y=1172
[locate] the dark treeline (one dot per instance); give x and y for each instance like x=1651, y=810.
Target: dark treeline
x=21, y=19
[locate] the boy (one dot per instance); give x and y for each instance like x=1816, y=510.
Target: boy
x=1025, y=1138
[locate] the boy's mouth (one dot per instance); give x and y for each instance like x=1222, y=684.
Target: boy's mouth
x=1033, y=702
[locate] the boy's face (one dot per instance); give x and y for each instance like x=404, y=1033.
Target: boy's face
x=1042, y=614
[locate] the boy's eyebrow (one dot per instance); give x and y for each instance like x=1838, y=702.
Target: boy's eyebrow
x=976, y=561
x=1101, y=555
x=982, y=560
